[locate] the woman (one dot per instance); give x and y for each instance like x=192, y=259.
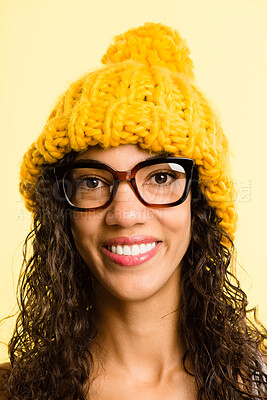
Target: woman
x=128, y=291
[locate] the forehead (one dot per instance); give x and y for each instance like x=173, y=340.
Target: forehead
x=122, y=157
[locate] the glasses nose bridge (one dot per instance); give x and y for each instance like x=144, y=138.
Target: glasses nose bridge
x=125, y=176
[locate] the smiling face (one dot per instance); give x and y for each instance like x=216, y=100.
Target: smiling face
x=126, y=221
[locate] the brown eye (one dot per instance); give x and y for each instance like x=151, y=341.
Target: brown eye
x=89, y=183
x=161, y=178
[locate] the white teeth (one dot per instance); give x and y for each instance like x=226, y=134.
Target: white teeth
x=126, y=251
x=143, y=248
x=133, y=250
x=119, y=250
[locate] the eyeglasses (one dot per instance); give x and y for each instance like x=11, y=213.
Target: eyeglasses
x=91, y=185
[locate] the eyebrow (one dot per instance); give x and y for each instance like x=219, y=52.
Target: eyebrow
x=155, y=157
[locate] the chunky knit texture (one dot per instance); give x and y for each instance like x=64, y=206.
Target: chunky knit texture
x=145, y=95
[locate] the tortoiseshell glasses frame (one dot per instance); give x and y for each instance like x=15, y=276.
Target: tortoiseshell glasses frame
x=123, y=176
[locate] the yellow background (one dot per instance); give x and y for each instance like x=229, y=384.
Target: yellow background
x=45, y=44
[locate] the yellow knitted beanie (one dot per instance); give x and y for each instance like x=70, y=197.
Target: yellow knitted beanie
x=145, y=95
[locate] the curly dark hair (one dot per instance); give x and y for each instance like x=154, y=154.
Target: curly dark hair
x=51, y=348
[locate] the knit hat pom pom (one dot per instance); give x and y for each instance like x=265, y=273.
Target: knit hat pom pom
x=155, y=44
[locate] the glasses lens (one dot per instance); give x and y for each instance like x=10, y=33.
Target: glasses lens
x=161, y=183
x=88, y=187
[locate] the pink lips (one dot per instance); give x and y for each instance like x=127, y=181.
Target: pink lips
x=129, y=261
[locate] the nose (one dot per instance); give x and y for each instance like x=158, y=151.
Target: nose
x=126, y=209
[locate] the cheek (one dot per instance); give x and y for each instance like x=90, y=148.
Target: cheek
x=176, y=222
x=182, y=230
x=84, y=229
x=77, y=227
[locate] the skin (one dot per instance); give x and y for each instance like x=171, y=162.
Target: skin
x=137, y=307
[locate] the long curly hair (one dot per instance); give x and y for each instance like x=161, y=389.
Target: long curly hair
x=51, y=348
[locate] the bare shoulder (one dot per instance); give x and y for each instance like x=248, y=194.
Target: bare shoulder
x=5, y=369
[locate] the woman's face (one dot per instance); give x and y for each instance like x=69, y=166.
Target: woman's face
x=127, y=222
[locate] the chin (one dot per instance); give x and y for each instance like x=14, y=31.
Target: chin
x=139, y=288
